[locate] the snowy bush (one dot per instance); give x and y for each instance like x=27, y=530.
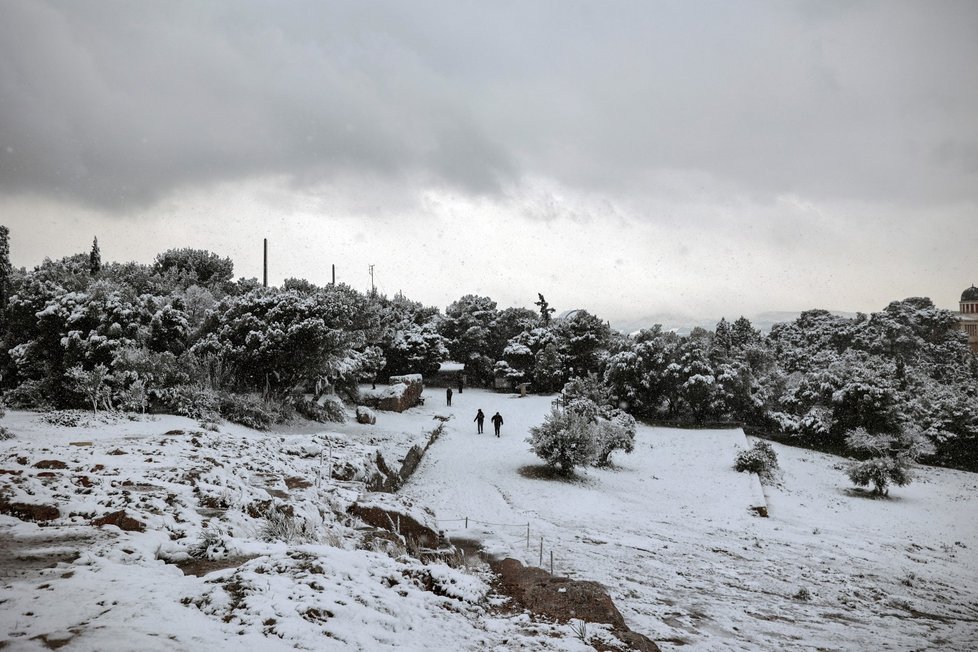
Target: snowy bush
x=892, y=458
x=191, y=401
x=760, y=459
x=365, y=415
x=290, y=529
x=210, y=546
x=329, y=409
x=28, y=395
x=564, y=440
x=93, y=383
x=880, y=472
x=67, y=418
x=247, y=410
x=5, y=434
x=613, y=435
x=611, y=428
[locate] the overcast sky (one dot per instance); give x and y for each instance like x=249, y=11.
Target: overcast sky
x=632, y=158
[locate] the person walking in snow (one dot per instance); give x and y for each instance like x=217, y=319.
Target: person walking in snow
x=497, y=420
x=448, y=396
x=479, y=418
x=461, y=384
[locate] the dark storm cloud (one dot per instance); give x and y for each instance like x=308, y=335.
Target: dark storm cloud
x=116, y=104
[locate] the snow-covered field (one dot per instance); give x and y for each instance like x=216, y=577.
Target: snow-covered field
x=669, y=531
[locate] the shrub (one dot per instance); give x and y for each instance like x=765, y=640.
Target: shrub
x=564, y=440
x=29, y=395
x=612, y=435
x=290, y=529
x=327, y=410
x=760, y=459
x=246, y=410
x=612, y=428
x=190, y=401
x=880, y=472
x=893, y=457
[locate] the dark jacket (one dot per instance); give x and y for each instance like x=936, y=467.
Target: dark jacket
x=497, y=419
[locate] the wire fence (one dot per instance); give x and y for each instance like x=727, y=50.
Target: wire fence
x=524, y=536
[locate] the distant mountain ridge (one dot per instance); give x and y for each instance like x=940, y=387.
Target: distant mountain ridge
x=683, y=324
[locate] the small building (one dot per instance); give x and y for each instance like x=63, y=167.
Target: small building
x=449, y=375
x=968, y=316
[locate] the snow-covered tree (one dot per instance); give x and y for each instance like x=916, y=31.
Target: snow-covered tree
x=545, y=310
x=548, y=369
x=892, y=457
x=185, y=267
x=564, y=441
x=583, y=342
x=611, y=428
x=95, y=259
x=283, y=341
x=467, y=326
x=6, y=270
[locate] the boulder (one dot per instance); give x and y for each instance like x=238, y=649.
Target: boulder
x=29, y=512
x=398, y=515
x=366, y=416
x=563, y=599
x=121, y=520
x=404, y=392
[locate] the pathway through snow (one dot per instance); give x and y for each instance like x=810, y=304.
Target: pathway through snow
x=670, y=533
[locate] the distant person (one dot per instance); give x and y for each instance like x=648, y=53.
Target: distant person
x=461, y=384
x=448, y=396
x=480, y=417
x=497, y=421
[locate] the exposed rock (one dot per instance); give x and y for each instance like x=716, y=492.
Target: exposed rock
x=563, y=599
x=121, y=521
x=295, y=482
x=366, y=416
x=28, y=512
x=404, y=393
x=50, y=464
x=389, y=513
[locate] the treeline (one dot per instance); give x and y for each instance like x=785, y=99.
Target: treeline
x=180, y=335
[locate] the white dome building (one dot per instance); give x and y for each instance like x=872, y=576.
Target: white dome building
x=968, y=316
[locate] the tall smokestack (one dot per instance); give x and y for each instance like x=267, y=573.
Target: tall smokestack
x=265, y=266
x=334, y=274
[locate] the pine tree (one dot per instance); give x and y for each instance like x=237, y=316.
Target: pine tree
x=724, y=336
x=5, y=268
x=95, y=258
x=545, y=309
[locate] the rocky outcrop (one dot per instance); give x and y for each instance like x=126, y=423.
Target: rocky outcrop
x=121, y=520
x=29, y=512
x=564, y=599
x=366, y=416
x=404, y=392
x=389, y=512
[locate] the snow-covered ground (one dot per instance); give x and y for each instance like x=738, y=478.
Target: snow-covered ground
x=669, y=531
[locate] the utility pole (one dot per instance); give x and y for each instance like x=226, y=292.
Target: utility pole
x=334, y=273
x=373, y=290
x=265, y=266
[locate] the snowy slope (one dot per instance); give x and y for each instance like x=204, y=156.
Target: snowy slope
x=671, y=534
x=669, y=531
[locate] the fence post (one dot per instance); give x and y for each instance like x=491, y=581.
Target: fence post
x=541, y=551
x=527, y=535
x=551, y=562
x=466, y=522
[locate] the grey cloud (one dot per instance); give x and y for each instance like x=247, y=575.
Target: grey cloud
x=117, y=104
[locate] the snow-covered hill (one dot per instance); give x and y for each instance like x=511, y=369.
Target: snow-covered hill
x=670, y=531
